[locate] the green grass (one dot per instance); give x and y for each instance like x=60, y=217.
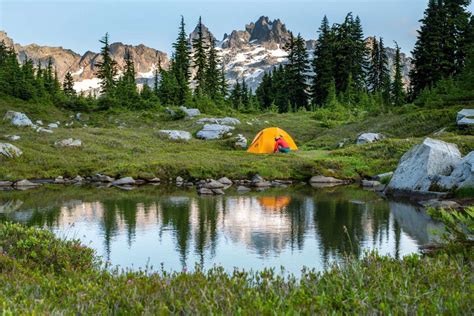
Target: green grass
x=135, y=150
x=40, y=274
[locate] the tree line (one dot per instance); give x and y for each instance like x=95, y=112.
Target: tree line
x=345, y=70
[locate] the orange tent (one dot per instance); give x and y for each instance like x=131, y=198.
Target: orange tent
x=264, y=142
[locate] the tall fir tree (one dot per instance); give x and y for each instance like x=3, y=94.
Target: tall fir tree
x=323, y=64
x=213, y=73
x=441, y=44
x=200, y=59
x=68, y=85
x=181, y=64
x=107, y=67
x=398, y=89
x=297, y=72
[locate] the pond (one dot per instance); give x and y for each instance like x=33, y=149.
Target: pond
x=176, y=229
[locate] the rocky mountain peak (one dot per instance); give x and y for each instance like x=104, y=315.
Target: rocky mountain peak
x=205, y=31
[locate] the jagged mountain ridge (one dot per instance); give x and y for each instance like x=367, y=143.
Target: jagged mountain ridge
x=246, y=54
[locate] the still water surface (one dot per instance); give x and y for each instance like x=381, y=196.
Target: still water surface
x=154, y=226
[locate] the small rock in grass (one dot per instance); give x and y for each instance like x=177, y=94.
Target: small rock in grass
x=73, y=143
x=9, y=150
x=53, y=125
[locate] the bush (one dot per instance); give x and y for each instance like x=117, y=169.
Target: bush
x=42, y=249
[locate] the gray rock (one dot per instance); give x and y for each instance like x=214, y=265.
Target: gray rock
x=213, y=184
x=257, y=178
x=17, y=118
x=12, y=137
x=242, y=189
x=190, y=112
x=225, y=181
x=6, y=183
x=329, y=180
x=422, y=165
x=462, y=175
x=381, y=176
x=213, y=131
x=77, y=179
x=370, y=183
x=59, y=180
x=438, y=204
x=366, y=138
x=240, y=142
x=465, y=117
x=9, y=150
x=25, y=183
x=68, y=143
x=179, y=180
x=102, y=178
x=175, y=134
x=218, y=191
x=39, y=122
x=53, y=125
x=222, y=121
x=154, y=180
x=205, y=191
x=124, y=181
x=43, y=130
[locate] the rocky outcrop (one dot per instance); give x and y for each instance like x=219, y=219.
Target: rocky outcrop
x=18, y=119
x=175, y=134
x=190, y=112
x=465, y=117
x=9, y=150
x=421, y=166
x=462, y=175
x=213, y=131
x=366, y=138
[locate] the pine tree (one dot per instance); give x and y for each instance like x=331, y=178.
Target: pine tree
x=398, y=91
x=181, y=64
x=236, y=96
x=213, y=74
x=297, y=72
x=223, y=83
x=441, y=44
x=323, y=64
x=126, y=88
x=264, y=92
x=107, y=68
x=200, y=59
x=68, y=85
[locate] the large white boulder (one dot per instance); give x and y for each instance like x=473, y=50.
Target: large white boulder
x=465, y=117
x=366, y=138
x=462, y=175
x=213, y=131
x=175, y=134
x=9, y=150
x=222, y=121
x=68, y=143
x=18, y=118
x=419, y=168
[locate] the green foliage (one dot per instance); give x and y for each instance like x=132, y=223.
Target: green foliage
x=40, y=249
x=459, y=225
x=107, y=67
x=371, y=285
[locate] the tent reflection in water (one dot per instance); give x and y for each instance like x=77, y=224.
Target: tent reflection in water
x=274, y=203
x=264, y=142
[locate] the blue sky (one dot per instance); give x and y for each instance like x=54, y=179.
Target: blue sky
x=79, y=24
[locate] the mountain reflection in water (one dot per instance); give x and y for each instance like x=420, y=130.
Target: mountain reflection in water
x=291, y=228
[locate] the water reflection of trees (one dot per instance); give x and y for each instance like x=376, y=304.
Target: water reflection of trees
x=342, y=220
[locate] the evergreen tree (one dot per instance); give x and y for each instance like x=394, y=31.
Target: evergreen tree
x=126, y=88
x=297, y=72
x=200, y=59
x=181, y=64
x=156, y=75
x=223, y=83
x=236, y=96
x=323, y=64
x=244, y=95
x=68, y=85
x=213, y=74
x=107, y=67
x=264, y=92
x=441, y=44
x=398, y=91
